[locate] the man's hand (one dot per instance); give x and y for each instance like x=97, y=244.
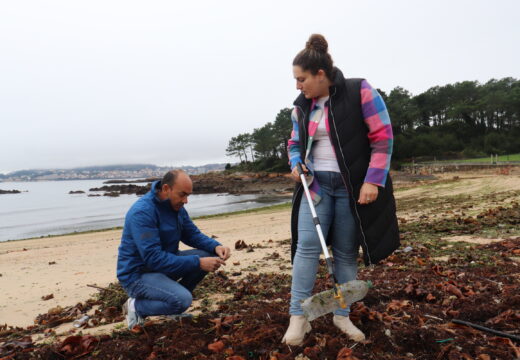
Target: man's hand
x=368, y=194
x=210, y=264
x=295, y=175
x=223, y=252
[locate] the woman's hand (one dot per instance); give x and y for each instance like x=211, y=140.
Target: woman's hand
x=295, y=175
x=367, y=194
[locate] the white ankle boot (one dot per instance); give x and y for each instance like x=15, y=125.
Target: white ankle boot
x=298, y=327
x=345, y=325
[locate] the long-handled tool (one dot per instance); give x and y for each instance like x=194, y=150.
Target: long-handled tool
x=340, y=295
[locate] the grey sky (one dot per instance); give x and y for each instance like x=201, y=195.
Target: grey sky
x=169, y=82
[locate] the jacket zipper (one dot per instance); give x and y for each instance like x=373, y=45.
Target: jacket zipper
x=305, y=130
x=303, y=124
x=345, y=183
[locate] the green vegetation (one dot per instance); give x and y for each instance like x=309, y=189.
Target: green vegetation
x=500, y=158
x=451, y=122
x=456, y=121
x=265, y=149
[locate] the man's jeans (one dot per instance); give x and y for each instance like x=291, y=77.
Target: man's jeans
x=159, y=294
x=335, y=214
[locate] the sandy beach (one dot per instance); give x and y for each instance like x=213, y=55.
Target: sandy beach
x=64, y=265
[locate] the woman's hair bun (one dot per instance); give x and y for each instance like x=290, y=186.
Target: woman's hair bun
x=318, y=43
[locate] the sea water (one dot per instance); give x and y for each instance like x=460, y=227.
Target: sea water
x=46, y=207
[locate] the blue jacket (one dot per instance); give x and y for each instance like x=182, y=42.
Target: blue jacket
x=151, y=237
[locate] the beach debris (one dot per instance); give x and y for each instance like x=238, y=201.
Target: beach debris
x=10, y=347
x=59, y=315
x=110, y=300
x=77, y=346
x=407, y=249
x=52, y=262
x=103, y=288
x=81, y=321
x=415, y=301
x=274, y=256
x=217, y=346
x=240, y=244
x=47, y=297
x=346, y=354
x=225, y=322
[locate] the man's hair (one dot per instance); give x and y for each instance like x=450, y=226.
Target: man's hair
x=170, y=177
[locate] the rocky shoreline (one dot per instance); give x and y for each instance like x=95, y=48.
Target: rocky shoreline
x=209, y=183
x=2, y=192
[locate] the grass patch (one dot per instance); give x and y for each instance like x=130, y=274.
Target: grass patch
x=505, y=158
x=487, y=159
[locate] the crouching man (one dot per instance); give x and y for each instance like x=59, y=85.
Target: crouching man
x=158, y=277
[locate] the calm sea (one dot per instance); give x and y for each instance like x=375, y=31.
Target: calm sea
x=47, y=208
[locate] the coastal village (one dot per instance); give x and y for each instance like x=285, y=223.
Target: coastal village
x=138, y=171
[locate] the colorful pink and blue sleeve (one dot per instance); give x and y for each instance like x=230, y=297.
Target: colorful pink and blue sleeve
x=380, y=134
x=293, y=144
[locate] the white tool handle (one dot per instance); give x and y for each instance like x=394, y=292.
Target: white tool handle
x=313, y=212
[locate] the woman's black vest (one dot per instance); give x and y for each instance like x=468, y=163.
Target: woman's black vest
x=378, y=232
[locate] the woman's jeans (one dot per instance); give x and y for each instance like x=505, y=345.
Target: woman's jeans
x=160, y=294
x=335, y=215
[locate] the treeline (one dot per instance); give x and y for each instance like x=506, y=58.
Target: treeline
x=462, y=120
x=265, y=149
x=466, y=119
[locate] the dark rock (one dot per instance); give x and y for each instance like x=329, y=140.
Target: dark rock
x=111, y=194
x=9, y=191
x=116, y=181
x=76, y=192
x=124, y=189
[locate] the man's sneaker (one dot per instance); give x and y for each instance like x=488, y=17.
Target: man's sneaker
x=132, y=319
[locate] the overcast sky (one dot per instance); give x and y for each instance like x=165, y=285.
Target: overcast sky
x=169, y=82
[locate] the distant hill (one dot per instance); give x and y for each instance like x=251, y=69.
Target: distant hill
x=118, y=171
x=131, y=167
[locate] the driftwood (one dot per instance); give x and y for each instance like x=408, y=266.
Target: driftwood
x=101, y=288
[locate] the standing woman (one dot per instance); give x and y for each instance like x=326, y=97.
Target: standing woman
x=343, y=136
